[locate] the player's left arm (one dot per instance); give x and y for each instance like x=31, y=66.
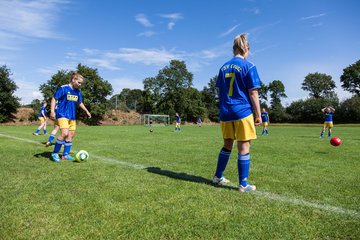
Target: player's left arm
x=332, y=109
x=82, y=106
x=255, y=103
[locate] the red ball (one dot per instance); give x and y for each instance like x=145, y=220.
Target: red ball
x=335, y=141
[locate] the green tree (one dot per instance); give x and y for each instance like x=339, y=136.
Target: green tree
x=94, y=91
x=263, y=93
x=166, y=88
x=351, y=78
x=318, y=84
x=211, y=100
x=35, y=105
x=8, y=102
x=349, y=110
x=277, y=91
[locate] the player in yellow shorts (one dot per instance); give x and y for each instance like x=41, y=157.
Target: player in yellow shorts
x=265, y=121
x=328, y=123
x=42, y=119
x=238, y=82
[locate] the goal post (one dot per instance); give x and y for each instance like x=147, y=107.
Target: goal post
x=155, y=119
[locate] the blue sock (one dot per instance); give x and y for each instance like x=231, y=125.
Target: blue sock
x=58, y=145
x=262, y=132
x=322, y=134
x=329, y=134
x=51, y=138
x=243, y=168
x=44, y=131
x=223, y=159
x=266, y=131
x=37, y=131
x=67, y=148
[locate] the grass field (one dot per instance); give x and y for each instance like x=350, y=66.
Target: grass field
x=142, y=185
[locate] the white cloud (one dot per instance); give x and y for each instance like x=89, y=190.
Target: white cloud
x=124, y=82
x=313, y=16
x=27, y=91
x=230, y=30
x=143, y=20
x=146, y=34
x=102, y=63
x=173, y=18
x=145, y=56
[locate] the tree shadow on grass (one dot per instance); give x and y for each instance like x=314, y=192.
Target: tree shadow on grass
x=186, y=177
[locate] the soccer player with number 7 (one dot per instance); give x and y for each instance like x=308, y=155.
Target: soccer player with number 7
x=238, y=81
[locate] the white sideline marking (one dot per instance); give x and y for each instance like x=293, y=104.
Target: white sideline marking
x=263, y=194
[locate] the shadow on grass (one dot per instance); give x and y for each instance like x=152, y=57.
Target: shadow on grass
x=46, y=155
x=186, y=177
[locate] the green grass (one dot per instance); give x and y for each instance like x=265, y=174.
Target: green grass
x=142, y=185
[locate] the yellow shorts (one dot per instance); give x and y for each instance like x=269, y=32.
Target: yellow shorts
x=41, y=119
x=328, y=125
x=56, y=122
x=67, y=123
x=265, y=124
x=240, y=130
x=177, y=124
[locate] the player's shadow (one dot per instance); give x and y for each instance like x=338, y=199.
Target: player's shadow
x=186, y=177
x=46, y=155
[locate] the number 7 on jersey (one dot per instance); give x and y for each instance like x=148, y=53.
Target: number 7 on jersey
x=232, y=76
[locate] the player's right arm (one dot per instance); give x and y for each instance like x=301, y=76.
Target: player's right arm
x=52, y=108
x=255, y=103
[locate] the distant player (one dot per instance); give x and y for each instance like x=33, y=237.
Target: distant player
x=42, y=119
x=54, y=131
x=328, y=123
x=177, y=123
x=67, y=97
x=265, y=122
x=238, y=82
x=199, y=122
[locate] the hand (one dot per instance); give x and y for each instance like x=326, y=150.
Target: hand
x=52, y=115
x=89, y=114
x=258, y=121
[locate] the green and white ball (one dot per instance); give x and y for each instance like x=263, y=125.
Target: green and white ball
x=82, y=156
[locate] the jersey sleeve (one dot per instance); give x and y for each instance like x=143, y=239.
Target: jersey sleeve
x=252, y=79
x=59, y=93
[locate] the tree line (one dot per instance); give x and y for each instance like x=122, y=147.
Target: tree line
x=171, y=91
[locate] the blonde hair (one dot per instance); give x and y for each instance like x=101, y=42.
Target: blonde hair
x=241, y=44
x=75, y=75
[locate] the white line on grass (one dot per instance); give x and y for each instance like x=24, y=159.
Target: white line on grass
x=268, y=195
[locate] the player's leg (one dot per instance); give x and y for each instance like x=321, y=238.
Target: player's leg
x=322, y=131
x=227, y=129
x=68, y=141
x=64, y=132
x=245, y=132
x=329, y=132
x=45, y=124
x=39, y=128
x=52, y=134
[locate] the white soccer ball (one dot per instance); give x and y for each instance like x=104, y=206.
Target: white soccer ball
x=82, y=156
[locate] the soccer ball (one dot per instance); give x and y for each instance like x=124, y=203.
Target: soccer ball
x=335, y=141
x=151, y=130
x=82, y=156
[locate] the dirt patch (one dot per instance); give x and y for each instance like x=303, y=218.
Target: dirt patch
x=112, y=117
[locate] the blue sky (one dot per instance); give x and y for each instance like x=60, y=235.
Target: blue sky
x=128, y=41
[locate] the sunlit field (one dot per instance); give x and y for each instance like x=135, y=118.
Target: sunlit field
x=156, y=185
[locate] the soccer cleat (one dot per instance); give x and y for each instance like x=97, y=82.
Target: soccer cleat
x=36, y=134
x=47, y=144
x=247, y=188
x=67, y=157
x=55, y=157
x=221, y=180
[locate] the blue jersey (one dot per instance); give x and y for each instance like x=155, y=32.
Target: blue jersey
x=328, y=117
x=178, y=119
x=42, y=109
x=264, y=117
x=67, y=99
x=236, y=78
